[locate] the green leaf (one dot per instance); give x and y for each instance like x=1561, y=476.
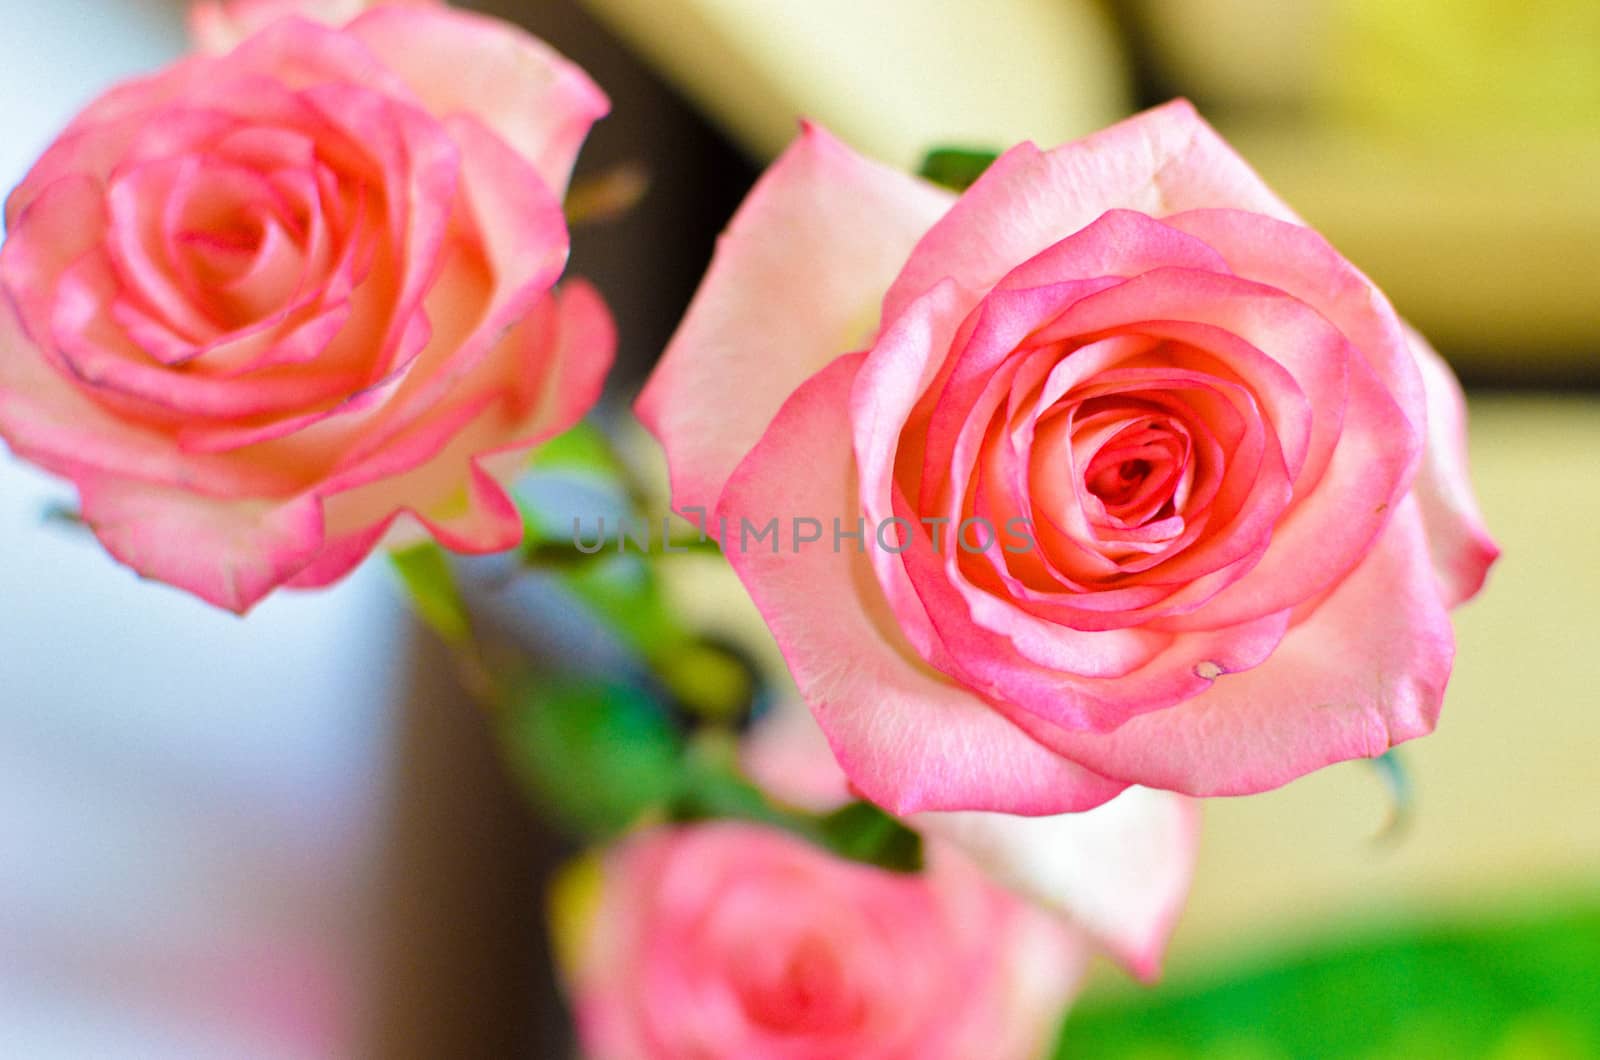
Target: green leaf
x=425, y=571
x=863, y=832
x=713, y=790
x=602, y=756
x=623, y=592
x=956, y=168
x=599, y=755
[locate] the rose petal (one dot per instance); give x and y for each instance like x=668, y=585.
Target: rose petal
x=1326, y=534
x=228, y=553
x=1120, y=870
x=516, y=234
x=795, y=283
x=218, y=26
x=89, y=345
x=888, y=386
x=1367, y=670
x=422, y=167
x=1297, y=259
x=463, y=63
x=51, y=422
x=1460, y=543
x=1160, y=162
x=449, y=474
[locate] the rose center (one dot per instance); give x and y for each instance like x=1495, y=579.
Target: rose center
x=223, y=252
x=1136, y=474
x=801, y=990
x=1115, y=484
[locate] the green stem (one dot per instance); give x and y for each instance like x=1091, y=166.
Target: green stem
x=566, y=554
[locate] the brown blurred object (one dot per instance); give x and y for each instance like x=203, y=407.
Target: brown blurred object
x=646, y=262
x=464, y=964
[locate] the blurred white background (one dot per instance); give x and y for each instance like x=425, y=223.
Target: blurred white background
x=191, y=806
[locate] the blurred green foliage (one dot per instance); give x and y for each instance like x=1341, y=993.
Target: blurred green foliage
x=425, y=571
x=583, y=449
x=1527, y=989
x=602, y=757
x=595, y=754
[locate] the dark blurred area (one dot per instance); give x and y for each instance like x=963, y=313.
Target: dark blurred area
x=469, y=959
x=649, y=260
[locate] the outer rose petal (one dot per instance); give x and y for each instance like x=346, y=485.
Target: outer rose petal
x=909, y=739
x=1160, y=162
x=220, y=25
x=1460, y=543
x=1121, y=870
x=795, y=282
x=1365, y=671
x=566, y=348
x=460, y=62
x=228, y=553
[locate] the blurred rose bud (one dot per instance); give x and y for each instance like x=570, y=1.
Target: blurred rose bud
x=735, y=941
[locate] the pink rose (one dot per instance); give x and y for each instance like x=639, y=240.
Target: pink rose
x=222, y=25
x=275, y=303
x=737, y=941
x=1211, y=496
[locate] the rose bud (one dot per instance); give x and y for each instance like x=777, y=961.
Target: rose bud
x=731, y=940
